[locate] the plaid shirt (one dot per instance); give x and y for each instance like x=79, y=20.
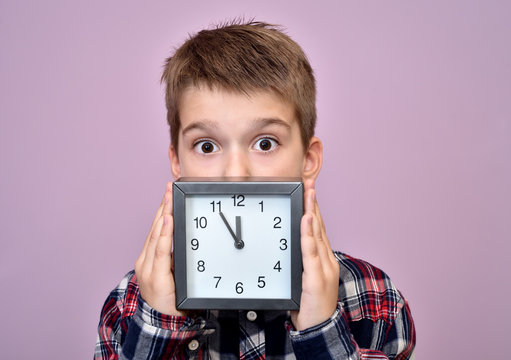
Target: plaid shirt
x=372, y=321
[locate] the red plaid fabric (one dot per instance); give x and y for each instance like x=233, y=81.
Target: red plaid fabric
x=372, y=321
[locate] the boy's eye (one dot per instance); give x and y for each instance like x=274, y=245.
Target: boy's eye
x=265, y=144
x=205, y=147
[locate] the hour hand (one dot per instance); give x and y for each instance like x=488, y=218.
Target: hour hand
x=238, y=243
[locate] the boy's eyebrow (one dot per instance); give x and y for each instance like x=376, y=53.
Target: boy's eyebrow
x=258, y=123
x=200, y=125
x=263, y=122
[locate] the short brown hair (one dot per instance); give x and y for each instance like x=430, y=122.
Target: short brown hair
x=242, y=57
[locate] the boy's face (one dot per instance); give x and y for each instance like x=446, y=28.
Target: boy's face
x=230, y=134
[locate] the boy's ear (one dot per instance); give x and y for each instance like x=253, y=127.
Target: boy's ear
x=175, y=167
x=313, y=159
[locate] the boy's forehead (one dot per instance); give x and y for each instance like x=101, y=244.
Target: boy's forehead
x=208, y=106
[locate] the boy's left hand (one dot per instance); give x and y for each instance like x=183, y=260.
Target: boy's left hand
x=320, y=278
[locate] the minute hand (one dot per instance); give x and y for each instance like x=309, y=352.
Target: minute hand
x=238, y=243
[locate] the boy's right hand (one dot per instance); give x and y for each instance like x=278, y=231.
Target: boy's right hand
x=153, y=266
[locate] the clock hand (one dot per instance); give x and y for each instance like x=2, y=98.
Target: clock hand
x=238, y=228
x=240, y=242
x=237, y=242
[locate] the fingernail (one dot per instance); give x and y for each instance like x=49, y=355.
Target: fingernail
x=165, y=220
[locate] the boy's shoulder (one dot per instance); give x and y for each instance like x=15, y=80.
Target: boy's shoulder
x=366, y=292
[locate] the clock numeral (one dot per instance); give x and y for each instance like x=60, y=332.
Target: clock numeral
x=283, y=244
x=201, y=222
x=218, y=281
x=200, y=266
x=239, y=287
x=238, y=200
x=262, y=208
x=195, y=244
x=277, y=266
x=218, y=203
x=277, y=220
x=260, y=282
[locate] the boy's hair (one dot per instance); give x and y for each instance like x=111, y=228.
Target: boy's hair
x=244, y=58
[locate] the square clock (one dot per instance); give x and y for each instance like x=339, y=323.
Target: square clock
x=237, y=243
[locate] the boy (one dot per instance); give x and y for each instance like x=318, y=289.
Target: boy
x=241, y=102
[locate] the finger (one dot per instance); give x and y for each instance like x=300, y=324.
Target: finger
x=310, y=255
x=162, y=255
x=312, y=204
x=321, y=223
x=318, y=214
x=152, y=238
x=166, y=200
x=309, y=204
x=151, y=245
x=308, y=224
x=323, y=245
x=168, y=207
x=167, y=197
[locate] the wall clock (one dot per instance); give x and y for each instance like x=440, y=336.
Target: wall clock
x=237, y=243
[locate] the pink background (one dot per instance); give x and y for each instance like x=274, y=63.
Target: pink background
x=414, y=111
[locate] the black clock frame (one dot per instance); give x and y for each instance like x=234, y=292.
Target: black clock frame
x=183, y=187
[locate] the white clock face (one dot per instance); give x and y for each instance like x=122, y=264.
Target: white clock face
x=218, y=266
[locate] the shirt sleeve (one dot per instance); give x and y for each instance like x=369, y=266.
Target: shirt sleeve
x=372, y=319
x=333, y=340
x=130, y=329
x=153, y=335
x=328, y=340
